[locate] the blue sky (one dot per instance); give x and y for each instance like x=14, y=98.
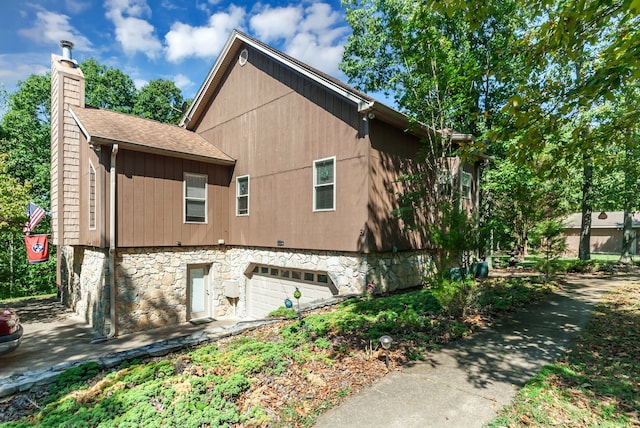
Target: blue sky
x=169, y=39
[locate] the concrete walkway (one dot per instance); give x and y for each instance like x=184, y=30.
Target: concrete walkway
x=465, y=384
x=60, y=337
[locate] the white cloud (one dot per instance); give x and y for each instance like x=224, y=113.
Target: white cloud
x=314, y=34
x=184, y=40
x=309, y=49
x=182, y=81
x=139, y=83
x=50, y=28
x=18, y=67
x=319, y=17
x=76, y=6
x=136, y=8
x=272, y=24
x=132, y=32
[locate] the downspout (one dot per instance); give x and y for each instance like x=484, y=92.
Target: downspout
x=112, y=242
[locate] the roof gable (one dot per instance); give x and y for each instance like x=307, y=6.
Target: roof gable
x=230, y=53
x=365, y=104
x=135, y=133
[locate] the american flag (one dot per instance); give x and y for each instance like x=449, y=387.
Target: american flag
x=35, y=214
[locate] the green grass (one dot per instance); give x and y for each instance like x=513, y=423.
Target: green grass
x=265, y=377
x=8, y=302
x=596, y=383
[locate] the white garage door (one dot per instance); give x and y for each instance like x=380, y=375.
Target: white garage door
x=266, y=293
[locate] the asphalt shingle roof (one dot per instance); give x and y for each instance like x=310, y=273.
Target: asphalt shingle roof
x=145, y=135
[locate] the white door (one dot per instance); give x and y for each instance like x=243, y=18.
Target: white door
x=198, y=292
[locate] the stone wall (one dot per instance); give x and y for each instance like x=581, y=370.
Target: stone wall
x=93, y=303
x=152, y=282
x=84, y=283
x=395, y=271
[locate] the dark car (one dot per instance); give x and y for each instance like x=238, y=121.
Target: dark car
x=10, y=330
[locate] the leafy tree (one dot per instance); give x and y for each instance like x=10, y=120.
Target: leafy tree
x=548, y=236
x=617, y=177
x=13, y=199
x=108, y=88
x=25, y=134
x=522, y=196
x=159, y=100
x=583, y=53
x=25, y=159
x=440, y=68
x=443, y=71
x=15, y=278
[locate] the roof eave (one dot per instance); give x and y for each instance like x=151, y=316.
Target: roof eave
x=101, y=140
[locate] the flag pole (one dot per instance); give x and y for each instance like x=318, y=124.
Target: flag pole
x=11, y=265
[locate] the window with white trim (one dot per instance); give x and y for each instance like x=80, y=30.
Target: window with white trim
x=92, y=197
x=242, y=195
x=465, y=185
x=324, y=184
x=445, y=181
x=195, y=198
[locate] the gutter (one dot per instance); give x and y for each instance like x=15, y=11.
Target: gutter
x=112, y=248
x=112, y=243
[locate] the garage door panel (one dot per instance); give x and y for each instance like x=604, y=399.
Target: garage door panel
x=266, y=294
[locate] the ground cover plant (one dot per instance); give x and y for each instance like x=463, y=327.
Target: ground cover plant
x=282, y=374
x=596, y=383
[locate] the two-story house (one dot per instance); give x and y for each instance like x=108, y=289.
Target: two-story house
x=278, y=177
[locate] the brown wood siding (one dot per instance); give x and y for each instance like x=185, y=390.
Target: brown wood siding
x=393, y=153
x=150, y=201
x=275, y=123
x=97, y=237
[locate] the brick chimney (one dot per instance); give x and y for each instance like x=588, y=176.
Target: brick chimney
x=67, y=90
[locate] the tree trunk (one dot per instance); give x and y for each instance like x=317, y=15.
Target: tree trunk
x=627, y=239
x=584, y=250
x=629, y=192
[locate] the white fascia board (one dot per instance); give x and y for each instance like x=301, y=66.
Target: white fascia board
x=82, y=128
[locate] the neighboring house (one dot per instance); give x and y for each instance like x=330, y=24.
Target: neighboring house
x=606, y=233
x=279, y=177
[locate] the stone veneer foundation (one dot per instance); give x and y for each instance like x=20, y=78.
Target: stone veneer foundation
x=152, y=282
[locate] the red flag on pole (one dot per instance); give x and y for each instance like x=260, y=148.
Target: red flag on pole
x=37, y=248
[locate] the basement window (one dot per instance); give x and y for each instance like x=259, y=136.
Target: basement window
x=299, y=277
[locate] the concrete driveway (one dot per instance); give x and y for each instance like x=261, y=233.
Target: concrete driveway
x=54, y=335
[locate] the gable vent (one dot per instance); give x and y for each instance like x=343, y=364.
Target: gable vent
x=244, y=55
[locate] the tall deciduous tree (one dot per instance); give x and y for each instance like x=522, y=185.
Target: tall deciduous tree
x=584, y=53
x=25, y=134
x=442, y=70
x=108, y=88
x=439, y=67
x=25, y=157
x=159, y=100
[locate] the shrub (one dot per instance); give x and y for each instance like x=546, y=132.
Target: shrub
x=456, y=297
x=282, y=312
